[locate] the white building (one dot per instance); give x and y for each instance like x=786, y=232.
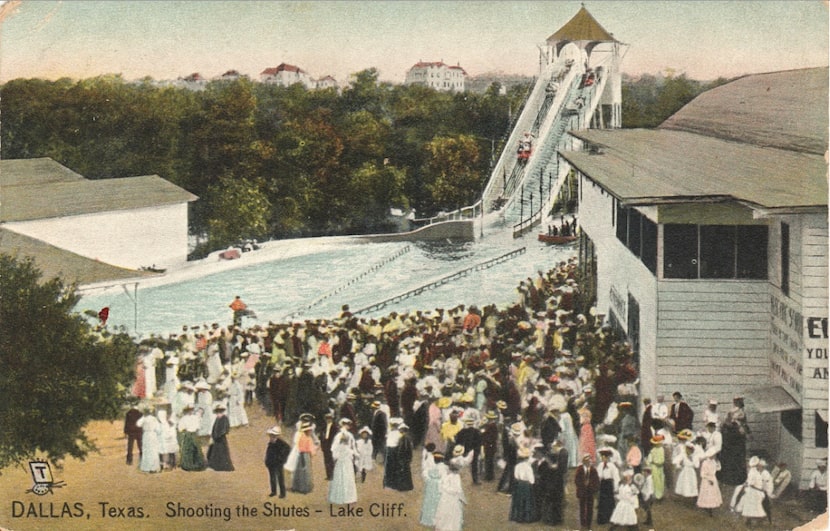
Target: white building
x=286, y=75
x=437, y=75
x=707, y=242
x=327, y=82
x=129, y=222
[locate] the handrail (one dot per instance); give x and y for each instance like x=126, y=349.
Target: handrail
x=481, y=266
x=337, y=290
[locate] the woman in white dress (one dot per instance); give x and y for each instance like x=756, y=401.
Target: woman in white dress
x=237, y=415
x=570, y=439
x=686, y=464
x=757, y=487
x=449, y=515
x=167, y=439
x=150, y=442
x=625, y=511
x=204, y=401
x=342, y=488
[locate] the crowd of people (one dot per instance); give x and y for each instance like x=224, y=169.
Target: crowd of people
x=519, y=398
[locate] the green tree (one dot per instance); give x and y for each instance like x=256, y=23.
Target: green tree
x=58, y=372
x=238, y=209
x=450, y=170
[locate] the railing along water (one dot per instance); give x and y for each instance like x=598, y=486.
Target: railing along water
x=443, y=280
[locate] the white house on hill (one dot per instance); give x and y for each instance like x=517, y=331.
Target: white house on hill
x=437, y=75
x=286, y=75
x=129, y=222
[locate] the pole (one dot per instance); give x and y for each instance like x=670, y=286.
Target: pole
x=135, y=309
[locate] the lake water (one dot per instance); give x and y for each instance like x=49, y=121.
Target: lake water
x=284, y=278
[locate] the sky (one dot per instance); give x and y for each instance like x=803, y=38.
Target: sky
x=170, y=39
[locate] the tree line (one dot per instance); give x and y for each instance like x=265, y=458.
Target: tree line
x=268, y=161
x=274, y=162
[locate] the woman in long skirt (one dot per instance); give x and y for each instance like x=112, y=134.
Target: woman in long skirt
x=522, y=502
x=709, y=497
x=150, y=442
x=433, y=470
x=193, y=460
x=686, y=482
x=609, y=480
x=449, y=515
x=342, y=488
x=570, y=439
x=301, y=480
x=655, y=461
x=219, y=454
x=733, y=454
x=625, y=512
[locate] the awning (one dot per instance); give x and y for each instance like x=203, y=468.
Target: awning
x=770, y=399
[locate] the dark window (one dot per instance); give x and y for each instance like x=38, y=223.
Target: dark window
x=680, y=251
x=821, y=432
x=649, y=256
x=622, y=224
x=785, y=258
x=613, y=212
x=634, y=323
x=634, y=237
x=717, y=251
x=752, y=251
x=792, y=421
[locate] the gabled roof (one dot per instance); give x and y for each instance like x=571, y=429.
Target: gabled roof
x=582, y=27
x=651, y=166
x=42, y=188
x=786, y=109
x=283, y=67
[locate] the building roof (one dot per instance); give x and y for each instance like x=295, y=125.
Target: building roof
x=582, y=27
x=54, y=262
x=34, y=171
x=760, y=140
x=787, y=110
x=50, y=199
x=648, y=166
x=283, y=67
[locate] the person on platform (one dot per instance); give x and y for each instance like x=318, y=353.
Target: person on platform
x=625, y=511
x=219, y=455
x=275, y=456
x=365, y=461
x=132, y=431
x=522, y=502
x=301, y=482
x=239, y=309
x=587, y=486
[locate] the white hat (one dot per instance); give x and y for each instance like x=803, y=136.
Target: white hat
x=753, y=461
x=274, y=431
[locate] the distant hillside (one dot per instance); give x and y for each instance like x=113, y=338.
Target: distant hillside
x=482, y=82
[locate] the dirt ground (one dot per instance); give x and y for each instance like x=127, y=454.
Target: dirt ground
x=103, y=492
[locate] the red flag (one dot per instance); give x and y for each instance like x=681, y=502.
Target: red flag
x=104, y=314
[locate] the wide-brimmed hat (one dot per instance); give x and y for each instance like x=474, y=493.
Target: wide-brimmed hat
x=458, y=450
x=305, y=426
x=444, y=402
x=753, y=461
x=657, y=439
x=685, y=435
x=219, y=407
x=274, y=431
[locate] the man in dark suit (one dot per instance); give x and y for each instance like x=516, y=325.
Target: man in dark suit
x=275, y=456
x=327, y=433
x=470, y=438
x=681, y=414
x=380, y=423
x=132, y=431
x=490, y=440
x=587, y=486
x=550, y=428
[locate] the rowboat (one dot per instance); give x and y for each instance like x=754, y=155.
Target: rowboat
x=556, y=240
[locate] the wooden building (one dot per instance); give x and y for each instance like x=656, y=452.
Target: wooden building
x=128, y=222
x=707, y=240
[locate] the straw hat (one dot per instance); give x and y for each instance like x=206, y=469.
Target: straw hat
x=274, y=431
